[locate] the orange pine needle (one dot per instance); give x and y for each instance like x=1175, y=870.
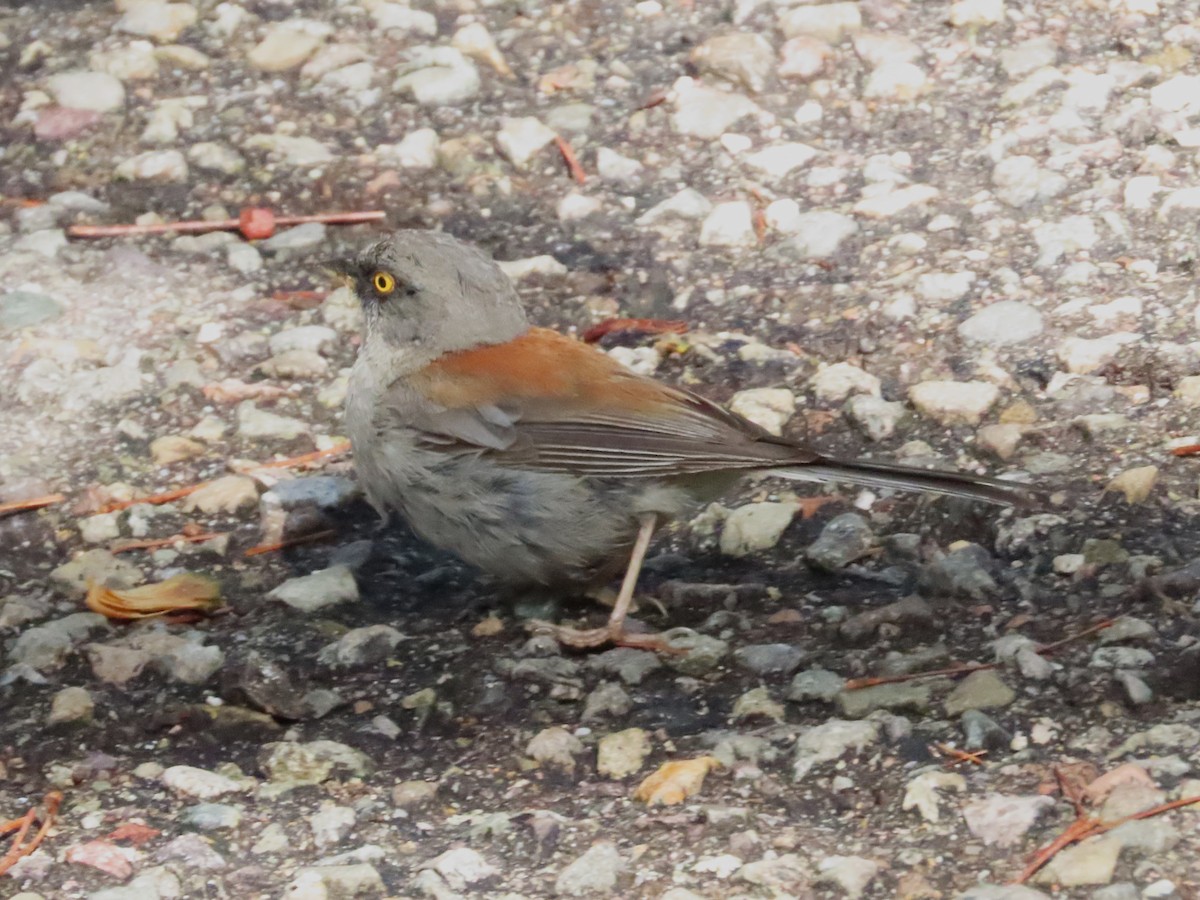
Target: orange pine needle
x=571, y=160
x=305, y=458
x=155, y=543
x=1189, y=450
x=975, y=758
x=154, y=499
x=19, y=848
x=34, y=503
x=259, y=549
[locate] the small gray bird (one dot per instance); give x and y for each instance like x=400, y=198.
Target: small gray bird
x=535, y=457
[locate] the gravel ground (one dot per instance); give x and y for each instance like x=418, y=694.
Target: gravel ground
x=955, y=233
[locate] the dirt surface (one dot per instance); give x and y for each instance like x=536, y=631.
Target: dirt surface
x=959, y=235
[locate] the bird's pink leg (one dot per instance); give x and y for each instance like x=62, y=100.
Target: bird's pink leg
x=614, y=631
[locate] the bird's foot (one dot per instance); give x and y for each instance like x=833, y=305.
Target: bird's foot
x=613, y=633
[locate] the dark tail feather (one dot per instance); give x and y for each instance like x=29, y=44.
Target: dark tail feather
x=893, y=475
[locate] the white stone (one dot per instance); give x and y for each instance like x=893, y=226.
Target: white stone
x=804, y=58
x=783, y=215
x=819, y=234
x=944, y=287
x=161, y=21
x=829, y=21
x=769, y=408
x=520, y=269
x=99, y=529
x=1180, y=94
x=893, y=203
x=612, y=166
x=438, y=76
x=878, y=48
x=755, y=526
x=400, y=17
x=833, y=384
x=132, y=62
x=1186, y=199
x=1002, y=323
x=200, y=783
x=462, y=866
x=520, y=139
x=1082, y=356
x=954, y=402
x=1141, y=190
x=1088, y=91
x=780, y=159
x=896, y=81
x=321, y=589
x=287, y=44
x=976, y=13
x=477, y=42
x=705, y=112
x=1070, y=235
x=97, y=91
x=295, y=150
x=729, y=224
x=303, y=337
x=687, y=204
x=157, y=165
x=575, y=206
x=216, y=158
x=1019, y=181
x=417, y=150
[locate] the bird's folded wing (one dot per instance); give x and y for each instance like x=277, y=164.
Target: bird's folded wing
x=549, y=403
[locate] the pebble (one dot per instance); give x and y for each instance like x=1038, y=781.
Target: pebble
x=1019, y=181
x=980, y=731
x=210, y=156
x=853, y=874
x=328, y=882
x=24, y=309
x=954, y=402
x=294, y=764
x=163, y=166
x=979, y=690
x=1002, y=820
x=820, y=234
x=755, y=527
x=834, y=383
x=895, y=202
x=71, y=704
x=1122, y=658
x=162, y=21
x=844, y=539
x=417, y=150
x=923, y=792
x=780, y=160
x=287, y=45
x=291, y=149
x=607, y=701
x=100, y=529
x=829, y=741
x=1093, y=861
x=744, y=58
x=769, y=408
x=226, y=494
x=730, y=224
x=1003, y=323
x=878, y=419
x=316, y=338
x=152, y=883
x=555, y=746
x=770, y=659
x=93, y=91
x=259, y=423
x=594, y=872
x=521, y=139
x=897, y=81
x=98, y=566
x=366, y=646
x=630, y=665
x=297, y=239
x=1128, y=629
x=622, y=753
x=331, y=824
x=302, y=365
x=200, y=784
x=701, y=652
x=815, y=685
x=707, y=113
x=966, y=571
x=213, y=816
x=438, y=76
x=828, y=22
x=686, y=205
x=317, y=591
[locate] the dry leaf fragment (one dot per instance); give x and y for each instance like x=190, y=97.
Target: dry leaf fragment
x=234, y=390
x=133, y=833
x=1130, y=773
x=1135, y=484
x=674, y=782
x=184, y=591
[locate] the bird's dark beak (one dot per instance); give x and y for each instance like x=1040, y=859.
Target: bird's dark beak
x=339, y=270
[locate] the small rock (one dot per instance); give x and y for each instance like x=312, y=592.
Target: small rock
x=329, y=882
x=622, y=753
x=858, y=704
x=214, y=157
x=815, y=684
x=1122, y=658
x=954, y=402
x=200, y=783
x=755, y=527
x=844, y=539
x=828, y=22
x=292, y=240
x=770, y=659
x=833, y=384
x=853, y=874
x=413, y=794
x=899, y=81
x=1092, y=862
x=628, y=664
x=521, y=139
x=820, y=234
x=71, y=704
x=153, y=19
x=878, y=419
x=744, y=58
x=24, y=309
x=1001, y=820
x=829, y=741
x=226, y=494
x=259, y=423
x=979, y=690
x=769, y=408
x=213, y=816
x=922, y=792
x=286, y=45
x=688, y=204
x=94, y=91
x=164, y=166
x=321, y=589
x=706, y=113
x=99, y=567
x=912, y=610
x=438, y=76
x=701, y=653
x=729, y=224
x=555, y=746
x=595, y=872
x=757, y=703
x=365, y=646
x=331, y=825
x=1003, y=323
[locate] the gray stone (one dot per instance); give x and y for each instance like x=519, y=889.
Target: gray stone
x=299, y=238
x=164, y=166
x=979, y=690
x=155, y=883
x=1002, y=323
x=905, y=696
x=819, y=234
x=844, y=539
x=260, y=423
x=24, y=309
x=212, y=816
x=815, y=685
x=1137, y=692
x=982, y=732
x=321, y=589
x=365, y=646
x=628, y=664
x=963, y=572
x=701, y=653
x=877, y=418
x=437, y=76
x=594, y=872
x=1122, y=658
x=704, y=112
x=770, y=659
x=829, y=741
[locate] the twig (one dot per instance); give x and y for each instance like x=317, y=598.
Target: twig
x=259, y=549
x=179, y=493
x=34, y=503
x=636, y=326
x=1084, y=827
x=155, y=543
x=1042, y=650
x=19, y=848
x=570, y=159
x=957, y=755
x=254, y=223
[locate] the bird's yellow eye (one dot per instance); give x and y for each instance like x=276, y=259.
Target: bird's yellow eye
x=383, y=282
